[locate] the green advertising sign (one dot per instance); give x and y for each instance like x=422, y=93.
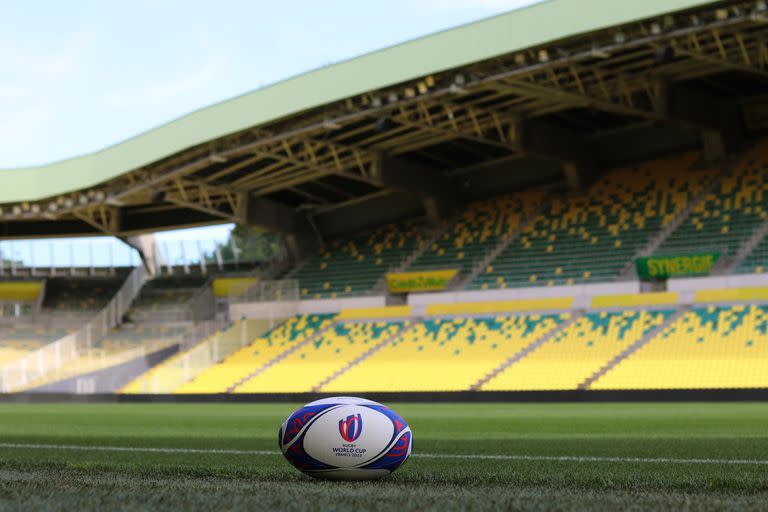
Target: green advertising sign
x=662, y=267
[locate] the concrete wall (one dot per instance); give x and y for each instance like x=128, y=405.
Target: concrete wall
x=582, y=293
x=687, y=287
x=285, y=309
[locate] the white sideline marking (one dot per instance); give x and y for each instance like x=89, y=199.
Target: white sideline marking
x=532, y=458
x=579, y=458
x=135, y=449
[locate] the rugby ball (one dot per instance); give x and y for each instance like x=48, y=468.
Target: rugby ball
x=345, y=438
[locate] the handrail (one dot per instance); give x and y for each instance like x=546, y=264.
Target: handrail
x=34, y=366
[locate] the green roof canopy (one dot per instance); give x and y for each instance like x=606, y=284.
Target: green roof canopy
x=516, y=30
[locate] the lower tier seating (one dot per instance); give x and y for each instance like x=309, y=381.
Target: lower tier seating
x=13, y=350
x=573, y=355
x=444, y=354
x=17, y=342
x=129, y=337
x=183, y=366
x=712, y=347
x=321, y=357
x=238, y=366
x=706, y=347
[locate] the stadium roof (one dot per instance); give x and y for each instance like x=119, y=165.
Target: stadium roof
x=535, y=82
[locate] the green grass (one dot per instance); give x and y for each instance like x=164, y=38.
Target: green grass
x=58, y=479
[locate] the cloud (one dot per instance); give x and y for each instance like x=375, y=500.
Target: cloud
x=23, y=124
x=161, y=92
x=12, y=92
x=49, y=64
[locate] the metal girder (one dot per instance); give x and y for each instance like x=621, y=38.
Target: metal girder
x=595, y=71
x=102, y=217
x=203, y=197
x=456, y=120
x=301, y=159
x=738, y=51
x=583, y=86
x=628, y=85
x=310, y=153
x=290, y=161
x=351, y=202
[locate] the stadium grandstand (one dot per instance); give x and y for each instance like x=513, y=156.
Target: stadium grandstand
x=580, y=207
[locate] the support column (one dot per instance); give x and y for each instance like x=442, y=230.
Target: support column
x=718, y=120
x=437, y=192
x=300, y=235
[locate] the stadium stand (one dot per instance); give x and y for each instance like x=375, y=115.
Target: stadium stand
x=756, y=262
x=708, y=347
x=574, y=354
x=68, y=295
x=553, y=209
x=730, y=213
x=241, y=364
x=444, y=354
x=187, y=364
x=165, y=299
x=68, y=302
x=321, y=357
x=479, y=227
x=130, y=336
x=592, y=237
x=352, y=266
x=13, y=347
x=30, y=335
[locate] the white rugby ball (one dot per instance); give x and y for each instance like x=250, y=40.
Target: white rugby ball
x=345, y=438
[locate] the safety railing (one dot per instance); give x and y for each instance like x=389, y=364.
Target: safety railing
x=281, y=290
x=35, y=368
x=187, y=365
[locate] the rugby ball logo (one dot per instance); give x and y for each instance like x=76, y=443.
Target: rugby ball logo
x=351, y=427
x=345, y=438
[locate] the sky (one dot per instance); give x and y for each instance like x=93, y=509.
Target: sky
x=80, y=75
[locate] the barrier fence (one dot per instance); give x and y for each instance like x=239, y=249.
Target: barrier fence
x=189, y=364
x=75, y=349
x=285, y=290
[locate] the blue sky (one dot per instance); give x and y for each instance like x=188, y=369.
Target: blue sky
x=80, y=75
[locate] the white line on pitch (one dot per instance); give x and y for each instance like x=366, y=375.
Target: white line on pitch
x=531, y=458
x=142, y=449
x=580, y=458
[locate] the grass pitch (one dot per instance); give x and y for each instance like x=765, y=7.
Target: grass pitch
x=466, y=456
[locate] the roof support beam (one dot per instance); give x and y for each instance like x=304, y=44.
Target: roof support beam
x=216, y=201
x=571, y=99
x=269, y=215
x=469, y=122
x=106, y=219
x=713, y=116
x=735, y=51
x=546, y=140
x=305, y=160
x=300, y=235
x=438, y=193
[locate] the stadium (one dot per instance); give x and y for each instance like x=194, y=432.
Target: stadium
x=542, y=237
